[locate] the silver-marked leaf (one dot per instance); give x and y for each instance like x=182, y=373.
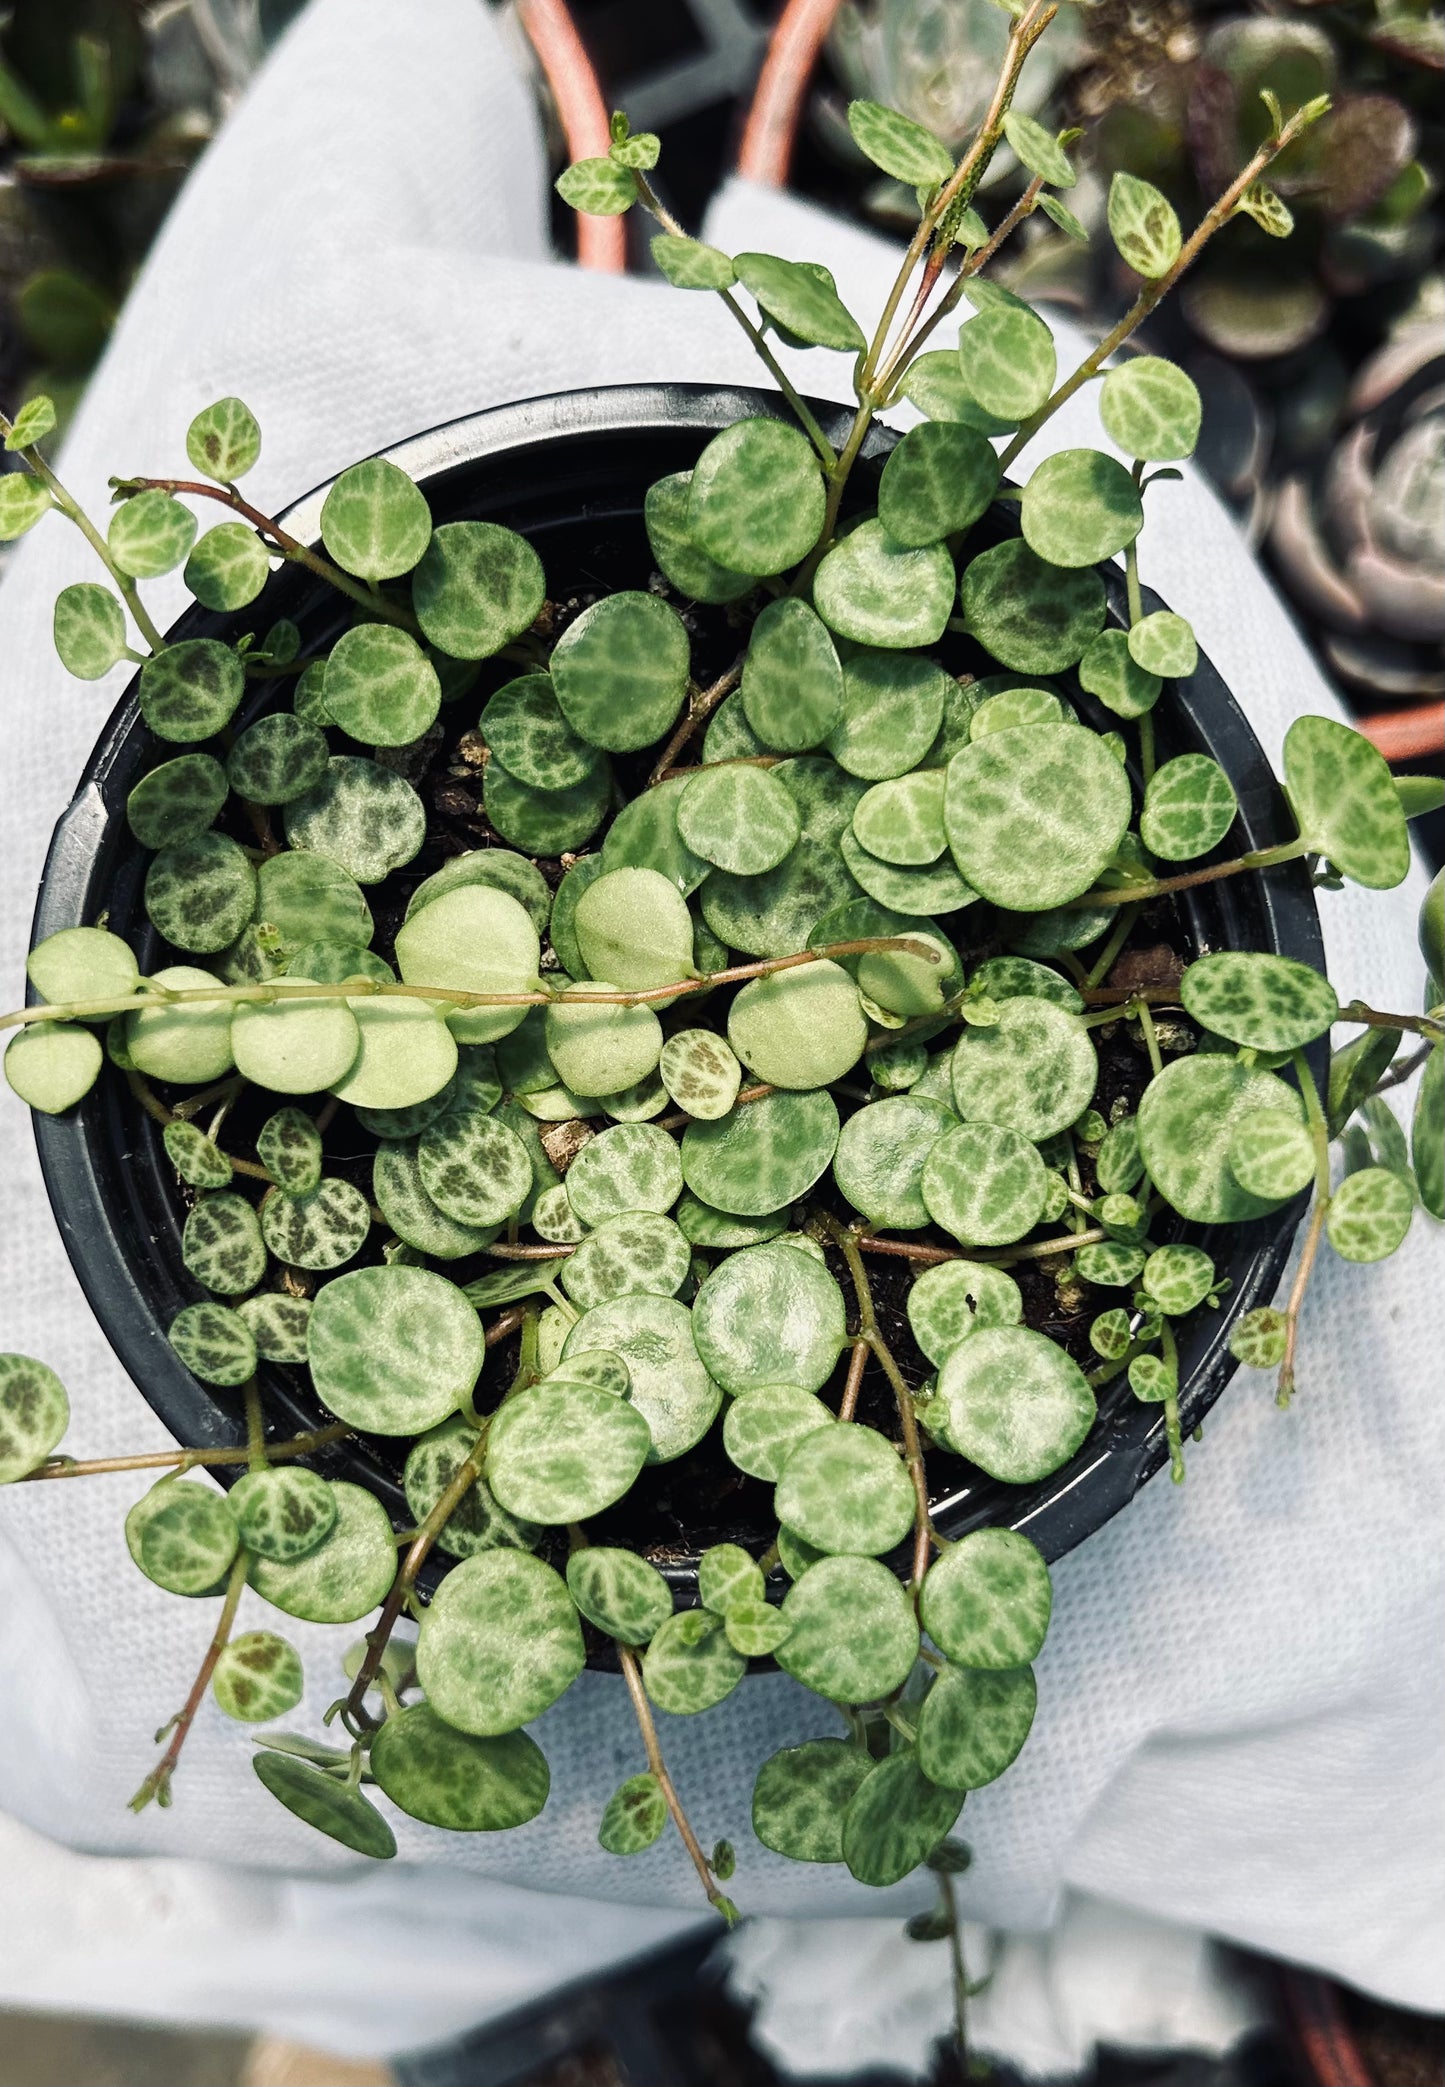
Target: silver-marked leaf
x=1267, y=1003
x=1109, y=1263
x=258, y=1677
x=756, y=500
x=380, y=686
x=690, y=1665
x=223, y=441
x=800, y=1028
x=200, y=893
x=328, y=1805
x=631, y=1167
x=34, y=1414
x=89, y=629
x=1109, y=671
x=1144, y=226
x=276, y=759
x=191, y=689
x=214, y=1343
x=936, y=482
x=901, y=820
x=176, y=801
x=498, y=867
x=802, y=298
x=895, y=1820
x=1008, y=360
x=23, y=500
x=597, y=187
x=478, y=1522
x=374, y=521
x=986, y=1601
x=1271, y=1154
x=1079, y=507
x=801, y=1796
x=1427, y=1134
x=763, y=1155
x=194, y=1157
x=1164, y=644
x=1341, y=792
x=620, y=671
x=288, y=1146
x=150, y=534
x=1370, y=1214
x=1189, y=806
x=524, y=727
x=322, y=1229
x=738, y=817
x=228, y=567
x=774, y=913
x=893, y=706
x=1039, y=149
x=1032, y=616
x=878, y=592
x=973, y=1725
x=769, y=1315
x=1259, y=1339
x=619, y=1593
x=844, y=1489
x=473, y=1167
x=393, y=1350
x=700, y=1072
x=955, y=1299
x=499, y=1643
x=182, y=1535
x=852, y=1634
x=1151, y=408
x=679, y=558
x=689, y=264
x=304, y=898
x=361, y=816
x=634, y=1817
x=1034, y=1069
x=1034, y=814
x=1016, y=1403
x=455, y=1780
x=671, y=1388
x=644, y=835
x=706, y=1227
x=898, y=145
x=561, y=1452
x=762, y=1428
x=1187, y=1119
x=792, y=686
x=32, y=423
x=221, y=1244
x=284, y=1512
x=637, y=1252
x=882, y=1151
x=477, y=587
x=727, y=1577
x=1178, y=1278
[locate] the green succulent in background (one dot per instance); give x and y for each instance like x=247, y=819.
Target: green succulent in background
x=650, y=1078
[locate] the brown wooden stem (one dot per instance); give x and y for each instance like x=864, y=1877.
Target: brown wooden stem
x=642, y=1710
x=157, y=1784
x=698, y=711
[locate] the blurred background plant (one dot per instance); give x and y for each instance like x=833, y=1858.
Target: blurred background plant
x=104, y=106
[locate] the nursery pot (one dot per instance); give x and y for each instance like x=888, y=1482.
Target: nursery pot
x=570, y=472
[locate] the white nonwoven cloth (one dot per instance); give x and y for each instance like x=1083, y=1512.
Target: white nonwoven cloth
x=1241, y=1720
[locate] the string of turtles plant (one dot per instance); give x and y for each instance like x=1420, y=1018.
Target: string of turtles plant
x=824, y=989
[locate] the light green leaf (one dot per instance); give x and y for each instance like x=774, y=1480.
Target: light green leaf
x=1032, y=616
x=619, y=1593
x=258, y=1677
x=635, y=1816
x=600, y=1047
x=799, y=1028
x=597, y=187
x=901, y=820
x=882, y=1152
x=895, y=1820
x=393, y=1350
x=1033, y=1070
x=955, y=1299
x=189, y=1044
x=756, y=501
x=852, y=1634
x=1187, y=1119
x=150, y=534
x=23, y=500
x=1063, y=218
x=34, y=421
x=1109, y=671
x=82, y=964
x=1151, y=408
x=1017, y=1404
x=936, y=482
x=986, y=1602
x=499, y=1643
x=562, y=1452
x=762, y=1428
x=363, y=817
x=973, y=1725
x=1268, y=1003
x=878, y=592
x=1008, y=360
x=295, y=1046
x=898, y=145
x=690, y=1665
x=1080, y=507
x=1164, y=644
x=1341, y=792
x=801, y=1797
x=1039, y=149
x=985, y=1184
x=228, y=567
x=801, y=297
x=1370, y=1214
x=34, y=1414
x=191, y=689
x=765, y=1154
x=769, y=1315
x=620, y=671
x=455, y=1780
x=1035, y=814
x=1144, y=226
x=477, y=587
x=689, y=264
x=1189, y=806
x=688, y=569
x=1427, y=1135
x=90, y=633
x=224, y=442
x=633, y=927
x=844, y=1489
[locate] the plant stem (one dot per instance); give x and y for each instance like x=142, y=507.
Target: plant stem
x=959, y=1973
x=1118, y=935
x=698, y=711
x=157, y=1784
x=74, y=512
x=1140, y=1010
x=870, y=1336
x=642, y=1710
x=853, y=1384
x=359, y=988
x=189, y=1459
x=1171, y=1406
x=997, y=1257
x=1157, y=887
x=290, y=547
x=1429, y=1026
x=1152, y=292
x=973, y=264
x=1404, y=1069
x=255, y=1426
x=1320, y=1138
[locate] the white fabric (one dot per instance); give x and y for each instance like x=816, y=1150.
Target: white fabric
x=1241, y=1699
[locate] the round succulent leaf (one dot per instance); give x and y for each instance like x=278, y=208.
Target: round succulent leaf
x=374, y=521
x=901, y=820
x=194, y=1157
x=1034, y=1069
x=1144, y=226
x=82, y=964
x=1109, y=1263
x=630, y=1168
x=200, y=893
x=546, y=822
x=1151, y=408
x=328, y=1805
x=955, y=1299
x=763, y=1155
x=671, y=1388
x=288, y=1146
x=393, y=1350
x=189, y=1043
x=1178, y=1278
x=1342, y=793
x=380, y=686
x=1017, y=706
x=619, y=1593
x=1163, y=644
x=1110, y=1334
x=276, y=759
x=895, y=1819
x=1189, y=806
x=690, y=1665
x=620, y=671
x=214, y=1343
x=258, y=1677
x=305, y=898
x=1034, y=814
x=1271, y=1154
x=1370, y=1214
x=524, y=727
x=754, y=1628
x=892, y=710
x=1016, y=1404
x=639, y=1251
x=1118, y=1163
x=477, y=586
x=738, y=817
x=554, y=1219
x=1039, y=149
x=879, y=592
x=1012, y=978
x=792, y=683
x=973, y=1724
x=89, y=630
x=474, y=939
x=176, y=801
x=278, y=1324
x=221, y=1244
x=1079, y=507
x=633, y=929
x=284, y=1512
x=228, y=567
x=769, y=1315
x=756, y=500
x=644, y=835
x=499, y=1643
x=762, y=1428
x=599, y=187
x=802, y=298
x=985, y=1183
x=802, y=1794
x=191, y=689
x=936, y=483
x=852, y=1634
x=406, y=1054
x=1268, y=1003
x=773, y=914
x=934, y=889
x=455, y=1780
x=844, y=1490
x=498, y=867
x=681, y=562
x=561, y=1452
x=183, y=1536
x=23, y=500
x=802, y=1028
x=321, y=1229
x=726, y=1577
x=882, y=1151
x=701, y=1073
x=295, y=1046
x=224, y=441
x=1187, y=1119
x=638, y=1104
x=600, y=1366
x=1008, y=360
x=478, y=1522
x=986, y=1601
x=34, y=1414
x=364, y=817
x=634, y=1816
x=1108, y=670
x=936, y=385
x=703, y=1226
x=474, y=1168
x=150, y=533
x=1032, y=616
x=690, y=264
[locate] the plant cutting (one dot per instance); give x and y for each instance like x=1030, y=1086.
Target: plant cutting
x=783, y=979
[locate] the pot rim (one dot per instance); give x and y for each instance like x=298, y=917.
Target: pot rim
x=1115, y=1461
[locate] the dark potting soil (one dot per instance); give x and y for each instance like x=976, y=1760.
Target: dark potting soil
x=678, y=1509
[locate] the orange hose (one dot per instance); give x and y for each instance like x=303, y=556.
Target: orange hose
x=772, y=126
x=552, y=33
x=1407, y=735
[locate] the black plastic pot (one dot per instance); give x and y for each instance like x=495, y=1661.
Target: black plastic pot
x=570, y=472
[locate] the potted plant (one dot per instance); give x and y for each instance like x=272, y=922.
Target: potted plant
x=730, y=1049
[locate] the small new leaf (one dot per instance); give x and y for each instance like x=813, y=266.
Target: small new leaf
x=1269, y=212
x=598, y=187
x=641, y=150
x=898, y=145
x=690, y=264
x=1144, y=225
x=34, y=421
